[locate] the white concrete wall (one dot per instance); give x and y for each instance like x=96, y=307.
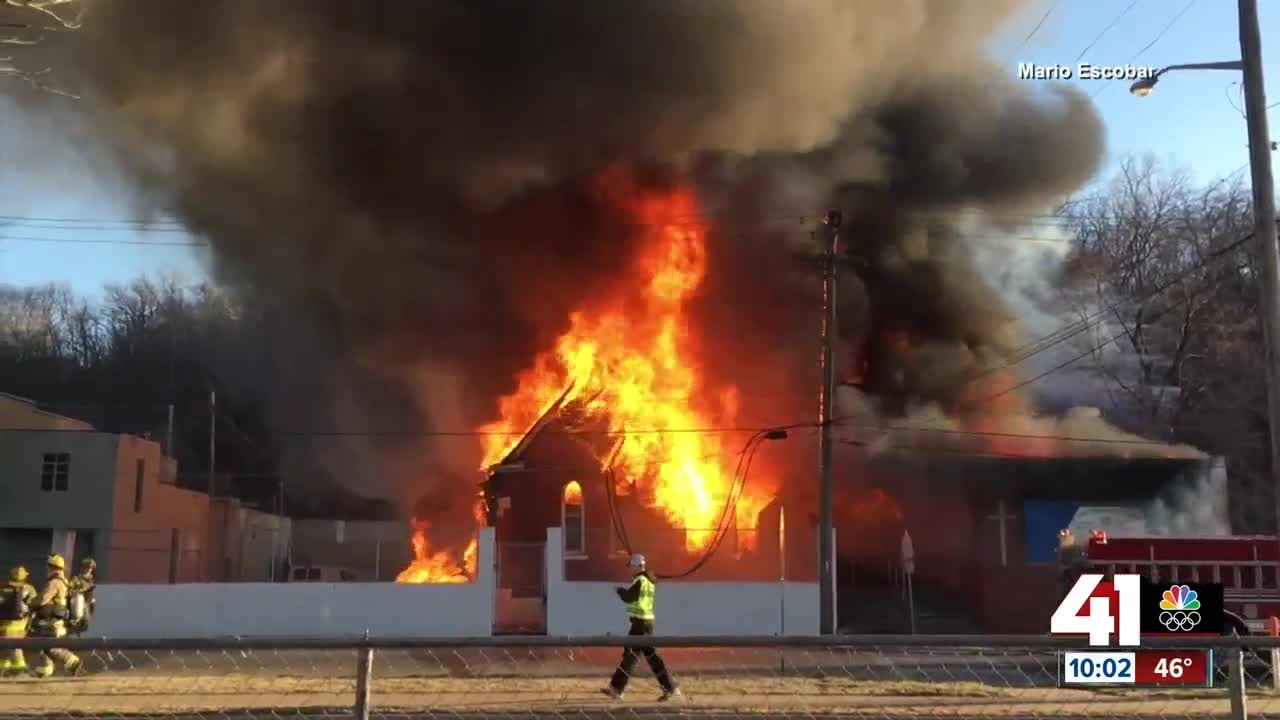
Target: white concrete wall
x=301, y=609
x=683, y=608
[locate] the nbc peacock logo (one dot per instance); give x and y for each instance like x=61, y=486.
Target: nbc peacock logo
x=1178, y=609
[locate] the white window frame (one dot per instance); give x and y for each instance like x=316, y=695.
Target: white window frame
x=581, y=551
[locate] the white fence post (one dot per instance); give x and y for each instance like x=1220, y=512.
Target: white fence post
x=364, y=680
x=1235, y=680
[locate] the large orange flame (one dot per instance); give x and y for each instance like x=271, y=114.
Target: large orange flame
x=431, y=565
x=630, y=362
x=437, y=566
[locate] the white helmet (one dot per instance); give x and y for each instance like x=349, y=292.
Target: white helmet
x=636, y=562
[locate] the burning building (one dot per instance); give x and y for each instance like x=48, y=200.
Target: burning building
x=617, y=433
x=485, y=236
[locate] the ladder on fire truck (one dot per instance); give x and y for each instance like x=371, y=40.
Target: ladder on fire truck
x=1246, y=567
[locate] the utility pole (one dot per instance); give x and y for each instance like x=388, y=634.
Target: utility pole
x=213, y=446
x=826, y=545
x=168, y=434
x=1264, y=221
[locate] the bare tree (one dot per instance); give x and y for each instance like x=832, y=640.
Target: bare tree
x=1165, y=276
x=25, y=26
x=121, y=362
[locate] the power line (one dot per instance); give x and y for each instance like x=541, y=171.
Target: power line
x=462, y=433
x=200, y=243
x=1233, y=103
x=756, y=431
x=104, y=241
x=1039, y=24
x=1048, y=221
x=1165, y=29
x=1169, y=25
x=1106, y=30
x=784, y=215
x=794, y=216
x=1068, y=332
x=96, y=228
x=1113, y=339
x=1035, y=348
x=99, y=221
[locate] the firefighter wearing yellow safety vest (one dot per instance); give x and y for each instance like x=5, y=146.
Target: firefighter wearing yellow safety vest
x=639, y=601
x=52, y=611
x=17, y=598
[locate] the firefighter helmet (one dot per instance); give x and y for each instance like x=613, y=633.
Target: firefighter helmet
x=56, y=562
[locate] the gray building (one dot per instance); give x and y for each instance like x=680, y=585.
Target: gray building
x=367, y=551
x=67, y=488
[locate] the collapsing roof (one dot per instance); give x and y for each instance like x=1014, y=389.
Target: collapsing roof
x=563, y=413
x=561, y=420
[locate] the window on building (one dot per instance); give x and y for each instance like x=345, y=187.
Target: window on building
x=140, y=472
x=573, y=521
x=54, y=472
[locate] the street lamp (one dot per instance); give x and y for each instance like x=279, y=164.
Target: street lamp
x=1143, y=87
x=1264, y=207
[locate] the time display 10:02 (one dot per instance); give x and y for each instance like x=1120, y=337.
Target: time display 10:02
x=1097, y=667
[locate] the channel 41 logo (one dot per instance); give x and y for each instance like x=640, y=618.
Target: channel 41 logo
x=1127, y=607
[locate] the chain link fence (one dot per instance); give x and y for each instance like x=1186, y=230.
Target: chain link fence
x=880, y=676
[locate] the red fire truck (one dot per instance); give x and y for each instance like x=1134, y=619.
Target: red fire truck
x=1244, y=565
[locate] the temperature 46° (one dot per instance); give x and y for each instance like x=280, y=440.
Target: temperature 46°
x=1173, y=667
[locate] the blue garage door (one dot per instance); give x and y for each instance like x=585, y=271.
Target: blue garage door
x=1043, y=521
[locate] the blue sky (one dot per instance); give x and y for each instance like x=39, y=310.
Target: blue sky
x=1189, y=121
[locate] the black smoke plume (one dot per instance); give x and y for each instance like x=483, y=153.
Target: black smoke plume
x=406, y=181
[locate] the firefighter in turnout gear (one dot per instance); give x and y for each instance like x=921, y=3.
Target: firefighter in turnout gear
x=639, y=601
x=51, y=614
x=1073, y=560
x=83, y=585
x=17, y=599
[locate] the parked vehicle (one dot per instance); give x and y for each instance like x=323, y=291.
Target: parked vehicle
x=321, y=573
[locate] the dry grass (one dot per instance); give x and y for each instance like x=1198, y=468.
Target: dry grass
x=137, y=694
